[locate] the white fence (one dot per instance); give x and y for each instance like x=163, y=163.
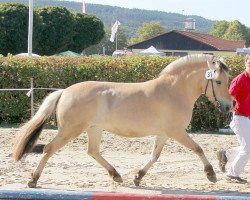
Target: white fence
x=30, y=93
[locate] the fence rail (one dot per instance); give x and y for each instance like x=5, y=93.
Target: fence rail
x=30, y=93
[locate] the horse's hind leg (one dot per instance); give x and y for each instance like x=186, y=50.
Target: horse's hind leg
x=157, y=148
x=94, y=137
x=58, y=142
x=188, y=142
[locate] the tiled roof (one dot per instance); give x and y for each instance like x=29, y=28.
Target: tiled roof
x=218, y=43
x=215, y=42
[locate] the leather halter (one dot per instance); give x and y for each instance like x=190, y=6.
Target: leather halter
x=214, y=95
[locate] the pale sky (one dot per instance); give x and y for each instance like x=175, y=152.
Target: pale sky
x=228, y=10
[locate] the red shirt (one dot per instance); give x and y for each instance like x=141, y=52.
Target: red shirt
x=240, y=90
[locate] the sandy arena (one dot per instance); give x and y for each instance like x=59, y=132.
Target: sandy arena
x=178, y=170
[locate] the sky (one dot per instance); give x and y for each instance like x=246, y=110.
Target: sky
x=228, y=10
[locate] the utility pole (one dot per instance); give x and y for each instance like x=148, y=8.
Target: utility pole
x=30, y=30
x=116, y=40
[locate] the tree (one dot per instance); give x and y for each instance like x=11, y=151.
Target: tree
x=88, y=30
x=247, y=38
x=57, y=31
x=219, y=28
x=14, y=28
x=235, y=31
x=147, y=31
x=231, y=31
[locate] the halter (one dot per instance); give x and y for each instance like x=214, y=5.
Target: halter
x=216, y=100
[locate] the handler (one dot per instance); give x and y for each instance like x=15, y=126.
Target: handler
x=240, y=124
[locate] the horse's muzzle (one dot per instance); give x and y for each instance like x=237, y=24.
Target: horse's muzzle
x=224, y=107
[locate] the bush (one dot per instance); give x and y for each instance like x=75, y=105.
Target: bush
x=61, y=72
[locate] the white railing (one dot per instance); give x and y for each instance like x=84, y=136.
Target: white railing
x=30, y=93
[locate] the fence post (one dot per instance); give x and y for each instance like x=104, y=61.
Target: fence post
x=32, y=96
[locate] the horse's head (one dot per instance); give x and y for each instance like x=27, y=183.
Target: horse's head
x=216, y=88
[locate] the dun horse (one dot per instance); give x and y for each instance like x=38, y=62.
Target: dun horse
x=161, y=107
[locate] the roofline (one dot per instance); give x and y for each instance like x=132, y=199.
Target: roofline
x=198, y=40
x=180, y=32
x=150, y=38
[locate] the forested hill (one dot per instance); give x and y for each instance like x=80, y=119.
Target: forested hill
x=130, y=19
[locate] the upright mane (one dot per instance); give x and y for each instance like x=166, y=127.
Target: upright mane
x=182, y=62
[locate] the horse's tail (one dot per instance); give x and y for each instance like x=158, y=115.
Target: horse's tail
x=30, y=131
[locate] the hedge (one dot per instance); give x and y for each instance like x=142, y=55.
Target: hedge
x=61, y=72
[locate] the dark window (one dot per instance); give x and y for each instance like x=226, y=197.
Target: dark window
x=168, y=53
x=209, y=53
x=180, y=54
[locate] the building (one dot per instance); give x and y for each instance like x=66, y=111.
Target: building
x=243, y=51
x=181, y=43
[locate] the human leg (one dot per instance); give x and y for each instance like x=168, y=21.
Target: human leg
x=239, y=155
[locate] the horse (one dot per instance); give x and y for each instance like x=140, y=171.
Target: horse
x=161, y=107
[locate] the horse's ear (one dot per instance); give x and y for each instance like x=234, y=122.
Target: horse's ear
x=222, y=60
x=223, y=64
x=212, y=65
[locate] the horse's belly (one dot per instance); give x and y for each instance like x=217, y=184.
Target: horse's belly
x=132, y=129
x=129, y=132
x=129, y=125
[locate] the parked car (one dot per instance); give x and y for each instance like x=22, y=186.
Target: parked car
x=118, y=53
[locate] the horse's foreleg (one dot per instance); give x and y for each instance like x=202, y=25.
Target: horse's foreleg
x=157, y=148
x=188, y=142
x=57, y=143
x=94, y=137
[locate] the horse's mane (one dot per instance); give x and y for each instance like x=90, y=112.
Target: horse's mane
x=189, y=59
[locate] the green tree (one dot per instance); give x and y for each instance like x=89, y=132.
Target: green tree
x=14, y=28
x=57, y=31
x=147, y=31
x=219, y=28
x=88, y=30
x=231, y=31
x=247, y=38
x=235, y=31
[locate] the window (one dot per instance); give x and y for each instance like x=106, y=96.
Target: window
x=180, y=54
x=168, y=53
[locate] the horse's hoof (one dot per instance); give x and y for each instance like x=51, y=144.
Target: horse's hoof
x=138, y=177
x=212, y=179
x=118, y=178
x=115, y=176
x=31, y=184
x=137, y=182
x=211, y=176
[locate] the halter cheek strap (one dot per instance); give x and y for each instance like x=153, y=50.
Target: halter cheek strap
x=212, y=83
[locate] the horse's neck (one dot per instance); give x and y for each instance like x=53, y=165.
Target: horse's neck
x=188, y=82
x=184, y=63
x=183, y=68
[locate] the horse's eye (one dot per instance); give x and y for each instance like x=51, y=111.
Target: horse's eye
x=218, y=82
x=214, y=62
